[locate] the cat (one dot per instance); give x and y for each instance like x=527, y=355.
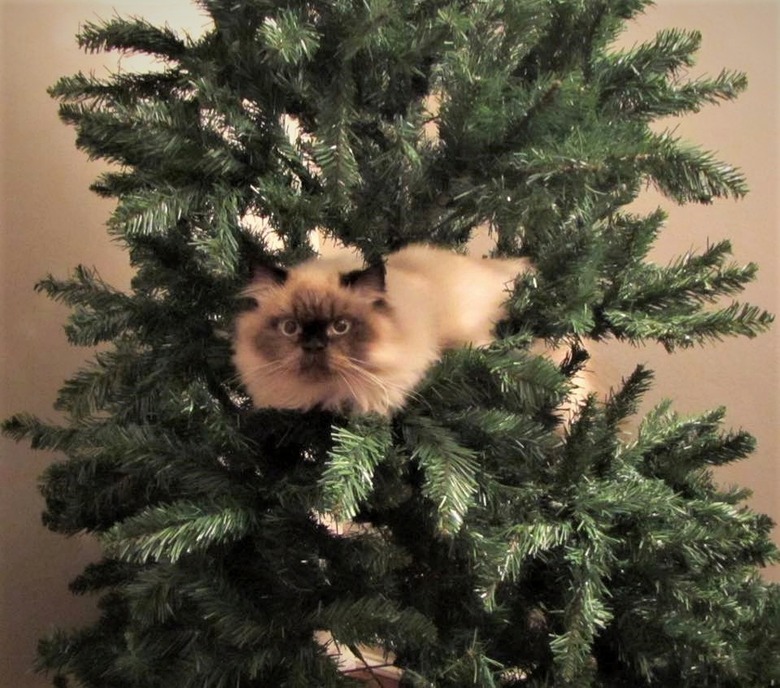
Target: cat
x=336, y=334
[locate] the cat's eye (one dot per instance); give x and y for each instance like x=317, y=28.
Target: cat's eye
x=339, y=326
x=289, y=328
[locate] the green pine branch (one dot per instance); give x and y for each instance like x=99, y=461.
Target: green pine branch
x=122, y=87
x=374, y=619
x=629, y=239
x=624, y=403
x=131, y=35
x=451, y=472
x=171, y=531
x=687, y=283
x=685, y=330
x=670, y=442
x=288, y=39
x=347, y=479
x=333, y=150
x=153, y=210
x=685, y=173
x=40, y=435
x=95, y=387
x=645, y=81
x=586, y=610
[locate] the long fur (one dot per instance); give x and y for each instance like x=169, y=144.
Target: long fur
x=429, y=299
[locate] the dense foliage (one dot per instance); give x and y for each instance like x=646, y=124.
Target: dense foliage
x=501, y=547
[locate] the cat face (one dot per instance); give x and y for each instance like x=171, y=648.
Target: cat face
x=315, y=333
x=309, y=341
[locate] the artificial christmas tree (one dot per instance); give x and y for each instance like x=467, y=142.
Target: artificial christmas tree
x=490, y=544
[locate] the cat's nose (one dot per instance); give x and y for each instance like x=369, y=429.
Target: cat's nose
x=314, y=344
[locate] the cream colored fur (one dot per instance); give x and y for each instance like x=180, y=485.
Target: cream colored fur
x=436, y=299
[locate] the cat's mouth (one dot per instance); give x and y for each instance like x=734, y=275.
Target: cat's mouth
x=314, y=365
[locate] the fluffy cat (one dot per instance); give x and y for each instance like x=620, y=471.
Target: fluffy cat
x=338, y=335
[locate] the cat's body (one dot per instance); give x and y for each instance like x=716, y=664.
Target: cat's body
x=334, y=334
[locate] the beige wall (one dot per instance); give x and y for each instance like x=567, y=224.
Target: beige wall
x=49, y=222
x=742, y=374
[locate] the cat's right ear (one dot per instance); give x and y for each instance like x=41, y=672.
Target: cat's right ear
x=264, y=276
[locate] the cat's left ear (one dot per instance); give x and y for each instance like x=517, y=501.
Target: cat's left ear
x=371, y=278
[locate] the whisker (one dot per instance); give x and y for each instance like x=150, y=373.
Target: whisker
x=269, y=369
x=281, y=366
x=408, y=393
x=375, y=378
x=366, y=376
x=344, y=377
x=244, y=376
